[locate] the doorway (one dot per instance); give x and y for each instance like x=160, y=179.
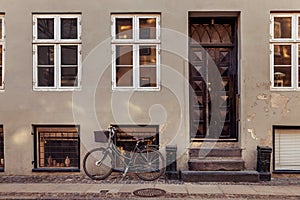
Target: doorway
x=213, y=78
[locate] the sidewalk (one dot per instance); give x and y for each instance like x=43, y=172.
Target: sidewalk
x=72, y=186
x=185, y=190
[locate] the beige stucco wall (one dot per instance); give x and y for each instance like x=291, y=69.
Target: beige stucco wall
x=96, y=106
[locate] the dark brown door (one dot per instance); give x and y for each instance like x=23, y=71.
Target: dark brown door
x=213, y=78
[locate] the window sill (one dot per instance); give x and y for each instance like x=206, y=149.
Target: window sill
x=45, y=169
x=286, y=172
x=56, y=90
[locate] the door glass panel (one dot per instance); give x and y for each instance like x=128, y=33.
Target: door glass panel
x=282, y=27
x=69, y=28
x=282, y=65
x=124, y=28
x=147, y=28
x=45, y=28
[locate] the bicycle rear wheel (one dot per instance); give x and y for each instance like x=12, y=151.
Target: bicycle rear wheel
x=97, y=164
x=149, y=164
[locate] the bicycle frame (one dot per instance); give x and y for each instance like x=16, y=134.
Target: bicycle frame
x=126, y=161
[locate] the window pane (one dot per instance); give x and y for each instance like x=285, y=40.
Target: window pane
x=124, y=76
x=282, y=66
x=147, y=55
x=124, y=28
x=124, y=55
x=282, y=27
x=46, y=76
x=58, y=150
x=1, y=28
x=1, y=80
x=69, y=55
x=147, y=28
x=148, y=77
x=69, y=76
x=282, y=55
x=1, y=147
x=1, y=55
x=45, y=55
x=299, y=27
x=69, y=28
x=298, y=65
x=282, y=77
x=45, y=28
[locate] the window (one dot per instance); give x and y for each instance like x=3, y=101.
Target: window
x=136, y=49
x=125, y=142
x=2, y=49
x=285, y=51
x=1, y=149
x=56, y=52
x=57, y=148
x=286, y=148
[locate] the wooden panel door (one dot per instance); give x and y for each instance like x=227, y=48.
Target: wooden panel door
x=213, y=79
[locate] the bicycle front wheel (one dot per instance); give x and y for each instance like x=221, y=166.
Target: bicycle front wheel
x=97, y=164
x=149, y=164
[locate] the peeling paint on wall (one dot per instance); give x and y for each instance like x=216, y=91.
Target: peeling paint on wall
x=251, y=117
x=262, y=97
x=252, y=132
x=279, y=101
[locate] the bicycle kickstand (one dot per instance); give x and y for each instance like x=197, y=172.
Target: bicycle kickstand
x=125, y=172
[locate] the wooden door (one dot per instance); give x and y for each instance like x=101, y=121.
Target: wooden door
x=213, y=78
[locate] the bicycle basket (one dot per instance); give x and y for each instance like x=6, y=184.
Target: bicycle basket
x=101, y=136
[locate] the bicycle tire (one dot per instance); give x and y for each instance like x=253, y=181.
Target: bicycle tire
x=149, y=164
x=103, y=169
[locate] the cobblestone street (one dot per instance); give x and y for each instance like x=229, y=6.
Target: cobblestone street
x=81, y=187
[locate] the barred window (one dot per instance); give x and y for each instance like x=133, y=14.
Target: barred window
x=57, y=147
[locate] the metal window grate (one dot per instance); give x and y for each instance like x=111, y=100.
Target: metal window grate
x=58, y=148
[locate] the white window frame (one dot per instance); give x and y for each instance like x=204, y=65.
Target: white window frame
x=2, y=42
x=57, y=43
x=294, y=41
x=136, y=43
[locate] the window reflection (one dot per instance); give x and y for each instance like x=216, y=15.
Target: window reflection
x=282, y=27
x=124, y=28
x=282, y=68
x=0, y=28
x=69, y=28
x=147, y=28
x=45, y=28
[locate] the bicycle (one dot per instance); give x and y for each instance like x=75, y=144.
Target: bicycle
x=147, y=162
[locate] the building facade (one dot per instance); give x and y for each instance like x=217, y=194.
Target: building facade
x=195, y=74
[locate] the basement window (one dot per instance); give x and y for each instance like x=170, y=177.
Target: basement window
x=286, y=149
x=57, y=148
x=1, y=149
x=125, y=138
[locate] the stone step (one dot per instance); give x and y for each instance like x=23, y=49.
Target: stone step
x=220, y=176
x=216, y=164
x=215, y=152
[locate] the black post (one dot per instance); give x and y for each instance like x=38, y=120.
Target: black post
x=264, y=162
x=171, y=168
